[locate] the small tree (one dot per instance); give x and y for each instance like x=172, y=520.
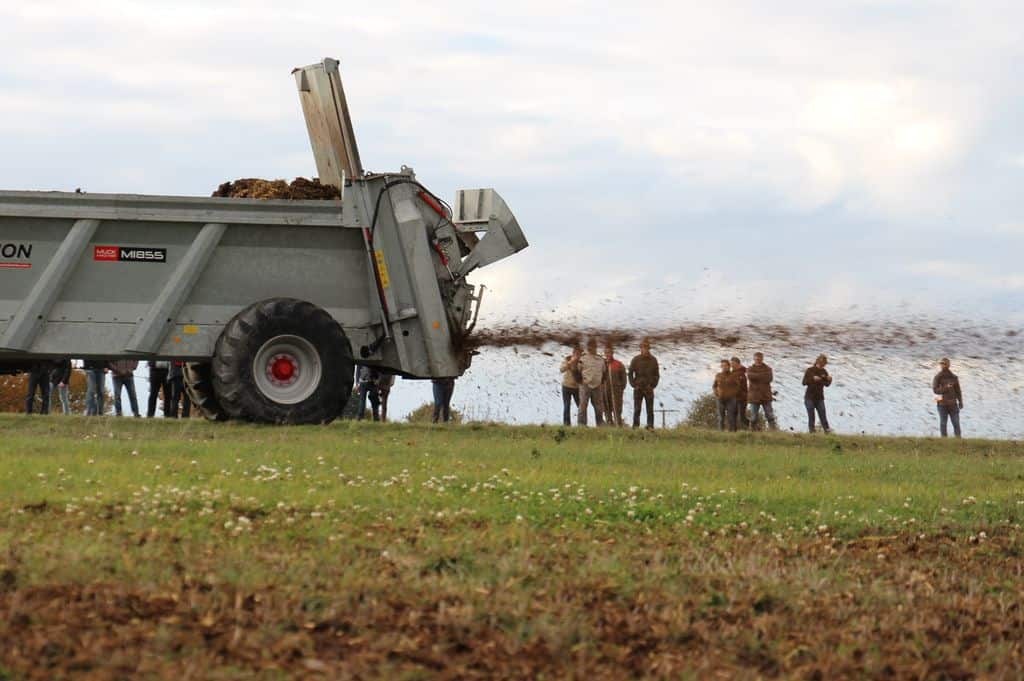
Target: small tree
x=703, y=412
x=14, y=388
x=425, y=414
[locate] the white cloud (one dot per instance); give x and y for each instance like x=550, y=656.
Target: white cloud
x=776, y=109
x=970, y=273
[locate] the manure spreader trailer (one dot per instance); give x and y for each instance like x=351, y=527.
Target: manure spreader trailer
x=271, y=303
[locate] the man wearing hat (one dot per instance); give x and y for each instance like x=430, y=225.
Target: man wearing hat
x=816, y=378
x=948, y=398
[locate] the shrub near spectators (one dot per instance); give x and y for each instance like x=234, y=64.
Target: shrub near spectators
x=13, y=389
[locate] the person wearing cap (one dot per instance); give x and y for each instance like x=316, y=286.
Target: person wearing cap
x=948, y=398
x=816, y=378
x=644, y=375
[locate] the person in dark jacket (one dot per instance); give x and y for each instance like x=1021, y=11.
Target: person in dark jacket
x=176, y=378
x=741, y=397
x=816, y=378
x=726, y=388
x=444, y=388
x=369, y=387
x=948, y=398
x=39, y=379
x=643, y=376
x=60, y=378
x=759, y=391
x=95, y=371
x=158, y=383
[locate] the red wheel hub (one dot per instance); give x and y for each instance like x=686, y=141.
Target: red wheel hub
x=283, y=369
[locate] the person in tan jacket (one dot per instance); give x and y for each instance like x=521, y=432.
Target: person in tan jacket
x=570, y=384
x=592, y=368
x=759, y=391
x=726, y=388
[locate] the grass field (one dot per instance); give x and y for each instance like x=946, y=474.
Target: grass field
x=147, y=549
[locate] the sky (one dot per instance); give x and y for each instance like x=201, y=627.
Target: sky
x=668, y=162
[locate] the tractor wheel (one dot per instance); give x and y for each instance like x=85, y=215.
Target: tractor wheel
x=283, y=361
x=199, y=386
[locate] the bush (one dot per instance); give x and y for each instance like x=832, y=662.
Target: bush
x=425, y=413
x=703, y=413
x=14, y=388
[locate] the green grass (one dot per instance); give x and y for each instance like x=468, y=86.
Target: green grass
x=561, y=549
x=550, y=477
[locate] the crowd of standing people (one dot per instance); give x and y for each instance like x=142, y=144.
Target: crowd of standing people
x=51, y=380
x=742, y=393
x=597, y=382
x=590, y=382
x=374, y=386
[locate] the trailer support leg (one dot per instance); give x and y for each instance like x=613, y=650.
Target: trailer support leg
x=150, y=332
x=32, y=314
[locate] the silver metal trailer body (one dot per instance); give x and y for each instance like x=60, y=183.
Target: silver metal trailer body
x=156, y=277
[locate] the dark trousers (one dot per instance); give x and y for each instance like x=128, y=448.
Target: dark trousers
x=569, y=395
x=158, y=382
x=814, y=405
x=642, y=397
x=727, y=414
x=769, y=414
x=741, y=414
x=127, y=382
x=41, y=382
x=95, y=385
x=369, y=390
x=179, y=396
x=952, y=413
x=443, y=390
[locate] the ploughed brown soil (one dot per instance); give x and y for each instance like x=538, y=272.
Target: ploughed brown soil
x=299, y=189
x=894, y=607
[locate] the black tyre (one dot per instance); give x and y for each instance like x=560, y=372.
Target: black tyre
x=283, y=361
x=199, y=386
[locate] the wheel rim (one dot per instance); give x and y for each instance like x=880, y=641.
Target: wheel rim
x=287, y=369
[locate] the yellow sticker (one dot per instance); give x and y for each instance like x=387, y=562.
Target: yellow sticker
x=191, y=329
x=382, y=268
